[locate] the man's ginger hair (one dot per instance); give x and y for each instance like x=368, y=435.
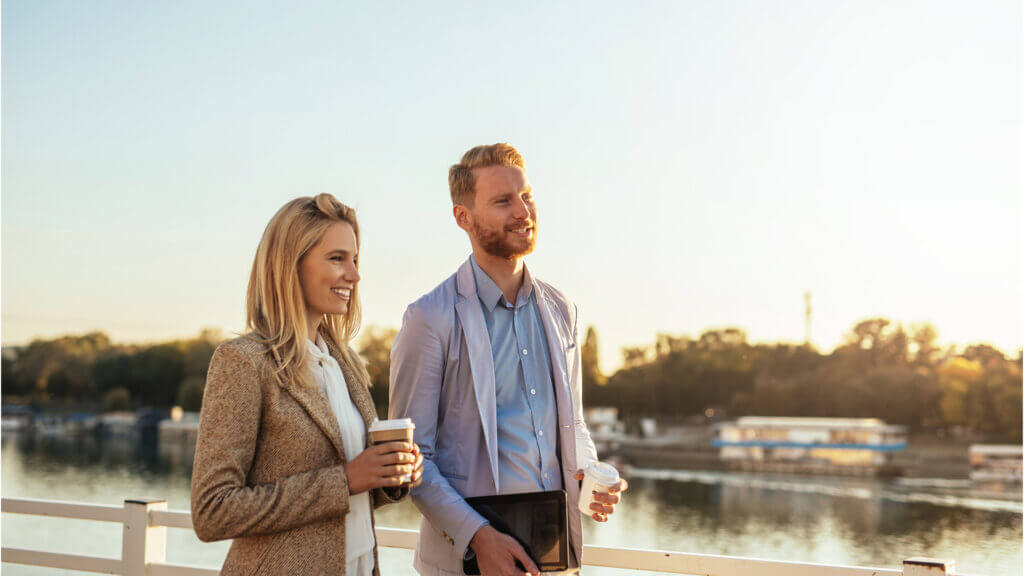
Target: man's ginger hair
x=462, y=181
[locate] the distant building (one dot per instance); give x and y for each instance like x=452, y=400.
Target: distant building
x=606, y=430
x=829, y=441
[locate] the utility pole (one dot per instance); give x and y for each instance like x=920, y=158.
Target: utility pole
x=807, y=319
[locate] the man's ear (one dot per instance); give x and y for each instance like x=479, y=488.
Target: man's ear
x=461, y=214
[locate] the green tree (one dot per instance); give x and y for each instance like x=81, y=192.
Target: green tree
x=375, y=350
x=196, y=352
x=63, y=363
x=593, y=379
x=11, y=386
x=156, y=372
x=117, y=399
x=190, y=393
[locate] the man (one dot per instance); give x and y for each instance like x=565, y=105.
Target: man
x=488, y=367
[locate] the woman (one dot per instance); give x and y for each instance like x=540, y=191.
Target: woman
x=281, y=461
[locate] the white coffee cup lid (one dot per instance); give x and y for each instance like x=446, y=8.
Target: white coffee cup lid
x=393, y=424
x=603, y=473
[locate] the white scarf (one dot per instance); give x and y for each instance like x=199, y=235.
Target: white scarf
x=359, y=539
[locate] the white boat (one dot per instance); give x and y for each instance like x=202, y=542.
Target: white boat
x=996, y=462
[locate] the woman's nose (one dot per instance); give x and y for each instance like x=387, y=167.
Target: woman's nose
x=352, y=274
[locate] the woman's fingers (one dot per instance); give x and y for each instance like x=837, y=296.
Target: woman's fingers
x=389, y=447
x=399, y=470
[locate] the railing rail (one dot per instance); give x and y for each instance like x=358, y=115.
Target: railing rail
x=144, y=548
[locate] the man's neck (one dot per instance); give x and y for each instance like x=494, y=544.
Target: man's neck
x=507, y=273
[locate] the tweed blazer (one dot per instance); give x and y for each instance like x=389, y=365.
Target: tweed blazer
x=269, y=467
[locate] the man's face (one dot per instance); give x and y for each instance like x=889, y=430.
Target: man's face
x=503, y=219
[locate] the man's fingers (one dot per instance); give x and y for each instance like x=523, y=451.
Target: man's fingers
x=596, y=507
x=621, y=487
x=606, y=498
x=599, y=517
x=578, y=475
x=524, y=559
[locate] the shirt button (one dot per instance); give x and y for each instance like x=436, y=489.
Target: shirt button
x=540, y=432
x=533, y=391
x=525, y=352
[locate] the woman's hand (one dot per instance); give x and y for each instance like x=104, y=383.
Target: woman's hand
x=382, y=465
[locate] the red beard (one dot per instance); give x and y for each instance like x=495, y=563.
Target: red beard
x=497, y=243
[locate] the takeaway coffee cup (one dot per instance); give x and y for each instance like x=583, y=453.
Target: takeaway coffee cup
x=597, y=477
x=394, y=430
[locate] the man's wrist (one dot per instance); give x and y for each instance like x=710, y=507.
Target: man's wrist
x=478, y=536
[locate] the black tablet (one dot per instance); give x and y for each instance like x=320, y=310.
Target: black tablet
x=538, y=520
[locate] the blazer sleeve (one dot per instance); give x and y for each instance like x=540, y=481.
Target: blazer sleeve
x=223, y=505
x=417, y=375
x=586, y=452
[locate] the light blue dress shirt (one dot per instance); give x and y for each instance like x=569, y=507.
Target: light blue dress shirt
x=528, y=459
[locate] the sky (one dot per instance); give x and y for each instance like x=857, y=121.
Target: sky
x=696, y=164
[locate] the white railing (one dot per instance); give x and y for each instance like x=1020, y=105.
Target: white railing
x=144, y=548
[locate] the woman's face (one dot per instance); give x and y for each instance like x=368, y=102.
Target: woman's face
x=328, y=272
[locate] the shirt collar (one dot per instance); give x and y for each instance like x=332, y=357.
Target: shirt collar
x=491, y=295
x=318, y=350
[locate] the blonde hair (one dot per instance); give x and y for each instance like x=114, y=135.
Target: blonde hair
x=462, y=182
x=275, y=305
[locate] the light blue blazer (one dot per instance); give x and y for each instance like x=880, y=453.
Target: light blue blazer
x=442, y=376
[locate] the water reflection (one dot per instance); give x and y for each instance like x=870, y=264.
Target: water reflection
x=864, y=522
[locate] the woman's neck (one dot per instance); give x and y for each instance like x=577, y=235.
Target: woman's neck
x=312, y=326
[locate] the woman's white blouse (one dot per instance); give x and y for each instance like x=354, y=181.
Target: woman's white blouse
x=359, y=540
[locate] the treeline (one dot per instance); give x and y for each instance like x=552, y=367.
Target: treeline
x=882, y=370
x=90, y=371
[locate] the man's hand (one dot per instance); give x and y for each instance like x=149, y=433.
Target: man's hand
x=496, y=554
x=604, y=504
x=417, y=467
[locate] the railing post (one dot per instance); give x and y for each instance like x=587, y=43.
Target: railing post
x=928, y=567
x=142, y=544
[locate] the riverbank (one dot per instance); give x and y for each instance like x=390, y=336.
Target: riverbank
x=925, y=457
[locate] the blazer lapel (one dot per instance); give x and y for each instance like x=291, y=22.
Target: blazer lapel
x=358, y=390
x=315, y=403
x=481, y=361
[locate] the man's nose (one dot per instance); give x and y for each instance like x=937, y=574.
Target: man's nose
x=523, y=210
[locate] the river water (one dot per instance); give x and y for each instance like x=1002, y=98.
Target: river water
x=864, y=522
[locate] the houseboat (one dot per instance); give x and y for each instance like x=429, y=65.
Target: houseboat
x=996, y=463
x=843, y=446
